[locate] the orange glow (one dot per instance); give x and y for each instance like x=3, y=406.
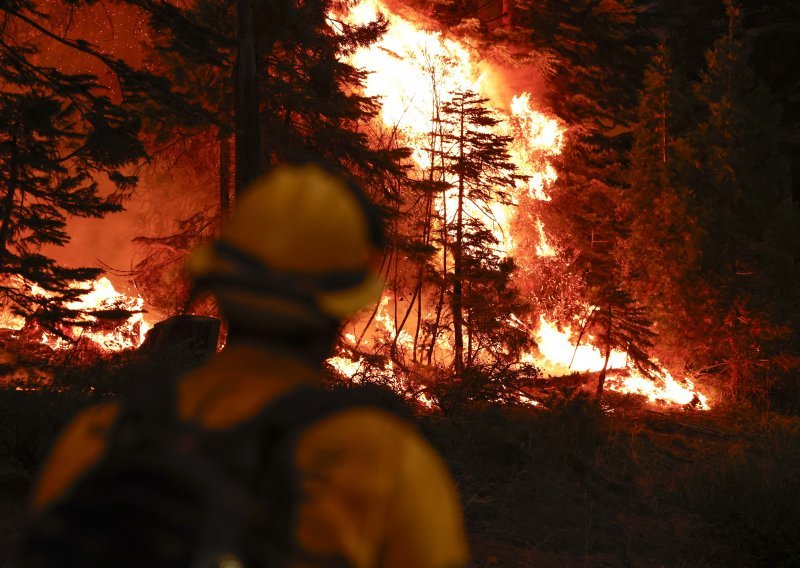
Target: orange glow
x=536, y=139
x=665, y=389
x=412, y=71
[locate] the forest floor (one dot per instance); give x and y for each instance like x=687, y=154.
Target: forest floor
x=631, y=485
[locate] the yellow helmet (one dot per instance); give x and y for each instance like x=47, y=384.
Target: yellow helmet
x=297, y=245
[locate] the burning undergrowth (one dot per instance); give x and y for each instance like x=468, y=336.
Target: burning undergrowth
x=101, y=321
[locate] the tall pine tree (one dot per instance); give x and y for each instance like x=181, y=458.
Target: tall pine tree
x=474, y=279
x=306, y=96
x=660, y=256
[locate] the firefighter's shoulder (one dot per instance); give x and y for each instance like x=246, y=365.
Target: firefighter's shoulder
x=77, y=448
x=374, y=486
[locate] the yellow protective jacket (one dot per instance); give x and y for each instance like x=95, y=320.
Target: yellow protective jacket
x=375, y=493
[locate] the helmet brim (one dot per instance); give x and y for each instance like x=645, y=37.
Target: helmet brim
x=338, y=304
x=345, y=303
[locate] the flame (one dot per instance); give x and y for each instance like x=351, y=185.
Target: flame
x=543, y=248
x=669, y=391
x=413, y=71
x=561, y=355
x=537, y=138
x=101, y=296
x=11, y=321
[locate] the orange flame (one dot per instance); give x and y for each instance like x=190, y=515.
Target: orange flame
x=413, y=71
x=562, y=356
x=102, y=296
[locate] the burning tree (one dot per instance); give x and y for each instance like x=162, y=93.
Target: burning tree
x=418, y=71
x=476, y=162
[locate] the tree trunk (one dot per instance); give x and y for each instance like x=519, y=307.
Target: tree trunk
x=386, y=264
x=418, y=328
x=445, y=247
x=395, y=295
x=224, y=173
x=420, y=276
x=457, y=307
x=399, y=328
x=580, y=336
x=602, y=379
x=246, y=116
x=440, y=302
x=507, y=12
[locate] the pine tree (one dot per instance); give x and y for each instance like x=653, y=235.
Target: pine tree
x=743, y=198
x=624, y=324
x=303, y=101
x=660, y=256
x=311, y=101
x=61, y=135
x=477, y=163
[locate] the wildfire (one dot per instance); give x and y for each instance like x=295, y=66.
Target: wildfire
x=413, y=71
x=561, y=355
x=115, y=334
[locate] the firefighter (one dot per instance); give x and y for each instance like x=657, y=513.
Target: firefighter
x=295, y=258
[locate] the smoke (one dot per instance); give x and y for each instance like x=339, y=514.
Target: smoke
x=105, y=242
